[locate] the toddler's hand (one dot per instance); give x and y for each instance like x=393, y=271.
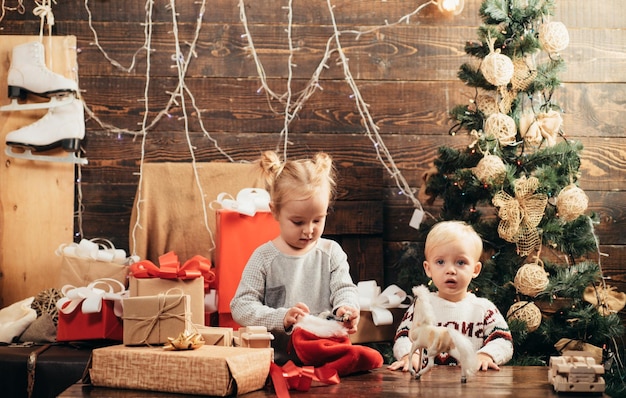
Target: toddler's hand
x=403, y=363
x=351, y=317
x=294, y=314
x=485, y=362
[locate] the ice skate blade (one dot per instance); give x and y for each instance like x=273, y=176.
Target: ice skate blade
x=28, y=155
x=53, y=103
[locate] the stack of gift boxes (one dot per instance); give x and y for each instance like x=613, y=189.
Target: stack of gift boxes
x=162, y=303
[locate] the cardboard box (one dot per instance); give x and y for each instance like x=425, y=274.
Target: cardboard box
x=152, y=319
x=209, y=370
x=217, y=335
x=368, y=332
x=153, y=286
x=103, y=325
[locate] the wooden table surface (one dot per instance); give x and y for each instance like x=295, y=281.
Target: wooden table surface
x=442, y=381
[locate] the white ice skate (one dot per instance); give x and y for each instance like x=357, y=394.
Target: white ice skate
x=28, y=73
x=63, y=126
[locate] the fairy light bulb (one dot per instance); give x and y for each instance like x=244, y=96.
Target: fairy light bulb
x=452, y=6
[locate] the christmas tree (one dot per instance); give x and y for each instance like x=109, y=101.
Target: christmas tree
x=517, y=184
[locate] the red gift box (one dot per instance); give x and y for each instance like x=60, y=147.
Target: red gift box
x=238, y=235
x=92, y=326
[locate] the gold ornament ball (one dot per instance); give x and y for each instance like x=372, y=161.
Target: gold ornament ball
x=487, y=104
x=490, y=168
x=502, y=127
x=531, y=279
x=526, y=312
x=497, y=69
x=553, y=37
x=571, y=202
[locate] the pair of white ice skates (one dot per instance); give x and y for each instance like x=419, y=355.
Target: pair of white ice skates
x=64, y=123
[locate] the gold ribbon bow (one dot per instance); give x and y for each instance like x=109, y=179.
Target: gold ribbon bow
x=520, y=215
x=545, y=126
x=607, y=299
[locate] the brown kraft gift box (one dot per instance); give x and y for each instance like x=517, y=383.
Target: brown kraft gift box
x=153, y=286
x=368, y=332
x=152, y=319
x=208, y=370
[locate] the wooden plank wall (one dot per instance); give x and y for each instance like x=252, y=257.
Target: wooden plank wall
x=406, y=74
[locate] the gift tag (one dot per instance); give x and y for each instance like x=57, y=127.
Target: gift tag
x=416, y=219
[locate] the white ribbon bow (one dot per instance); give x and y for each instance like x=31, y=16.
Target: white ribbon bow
x=248, y=202
x=91, y=297
x=89, y=249
x=371, y=299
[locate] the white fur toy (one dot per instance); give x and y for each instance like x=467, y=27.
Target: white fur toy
x=437, y=339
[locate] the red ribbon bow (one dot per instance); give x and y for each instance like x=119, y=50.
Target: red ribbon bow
x=169, y=268
x=291, y=377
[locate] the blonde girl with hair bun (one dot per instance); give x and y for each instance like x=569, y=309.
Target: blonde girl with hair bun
x=298, y=272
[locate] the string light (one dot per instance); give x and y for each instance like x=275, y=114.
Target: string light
x=455, y=7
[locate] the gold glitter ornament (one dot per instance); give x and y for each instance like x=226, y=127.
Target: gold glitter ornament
x=531, y=279
x=490, y=168
x=571, y=202
x=502, y=127
x=497, y=68
x=526, y=312
x=553, y=37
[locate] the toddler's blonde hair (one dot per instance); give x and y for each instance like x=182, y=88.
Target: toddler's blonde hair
x=446, y=231
x=297, y=179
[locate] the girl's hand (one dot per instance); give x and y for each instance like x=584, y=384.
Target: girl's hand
x=351, y=317
x=294, y=314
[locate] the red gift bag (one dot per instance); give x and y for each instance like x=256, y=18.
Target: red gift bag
x=238, y=235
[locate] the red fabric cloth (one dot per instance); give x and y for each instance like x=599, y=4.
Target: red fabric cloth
x=336, y=353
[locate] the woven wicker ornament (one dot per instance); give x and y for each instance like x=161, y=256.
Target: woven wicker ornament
x=502, y=127
x=487, y=105
x=497, y=68
x=608, y=300
x=524, y=73
x=571, y=202
x=490, y=168
x=553, y=37
x=520, y=215
x=527, y=312
x=531, y=279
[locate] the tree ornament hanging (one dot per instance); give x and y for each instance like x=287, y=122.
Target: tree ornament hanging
x=571, y=202
x=502, y=127
x=526, y=312
x=497, y=68
x=531, y=279
x=607, y=299
x=520, y=215
x=553, y=37
x=487, y=104
x=490, y=168
x=524, y=73
x=544, y=127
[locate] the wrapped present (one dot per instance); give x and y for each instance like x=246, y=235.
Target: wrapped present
x=208, y=370
x=192, y=278
x=381, y=312
x=92, y=259
x=238, y=235
x=253, y=337
x=152, y=319
x=222, y=336
x=92, y=312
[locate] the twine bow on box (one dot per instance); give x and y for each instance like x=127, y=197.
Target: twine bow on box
x=170, y=268
x=90, y=297
x=371, y=299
